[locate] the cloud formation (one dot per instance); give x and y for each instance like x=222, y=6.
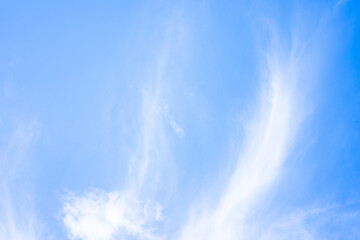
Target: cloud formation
x=164, y=111
x=98, y=216
x=316, y=223
x=17, y=214
x=104, y=216
x=268, y=142
x=123, y=213
x=269, y=139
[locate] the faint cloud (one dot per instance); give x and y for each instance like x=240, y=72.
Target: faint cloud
x=17, y=215
x=339, y=3
x=177, y=129
x=119, y=214
x=164, y=111
x=316, y=223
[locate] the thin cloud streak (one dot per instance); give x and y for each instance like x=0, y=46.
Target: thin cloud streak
x=313, y=223
x=268, y=141
x=164, y=111
x=18, y=219
x=103, y=216
x=291, y=70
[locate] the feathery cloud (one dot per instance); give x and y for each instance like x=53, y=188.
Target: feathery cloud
x=97, y=215
x=268, y=142
x=17, y=214
x=103, y=216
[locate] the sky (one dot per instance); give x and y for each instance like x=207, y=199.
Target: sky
x=180, y=120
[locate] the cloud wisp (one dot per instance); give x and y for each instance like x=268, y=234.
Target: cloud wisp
x=97, y=215
x=270, y=135
x=290, y=71
x=164, y=111
x=316, y=223
x=268, y=142
x=18, y=219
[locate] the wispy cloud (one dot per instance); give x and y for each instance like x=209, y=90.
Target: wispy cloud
x=291, y=65
x=103, y=216
x=164, y=111
x=177, y=129
x=339, y=3
x=17, y=213
x=269, y=139
x=98, y=215
x=333, y=222
x=270, y=135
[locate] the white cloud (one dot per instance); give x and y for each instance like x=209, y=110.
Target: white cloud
x=17, y=215
x=269, y=138
x=177, y=129
x=164, y=111
x=268, y=141
x=291, y=69
x=103, y=216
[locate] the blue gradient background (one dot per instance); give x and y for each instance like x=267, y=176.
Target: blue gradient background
x=75, y=72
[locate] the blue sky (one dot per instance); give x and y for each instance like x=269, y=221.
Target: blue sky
x=180, y=120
